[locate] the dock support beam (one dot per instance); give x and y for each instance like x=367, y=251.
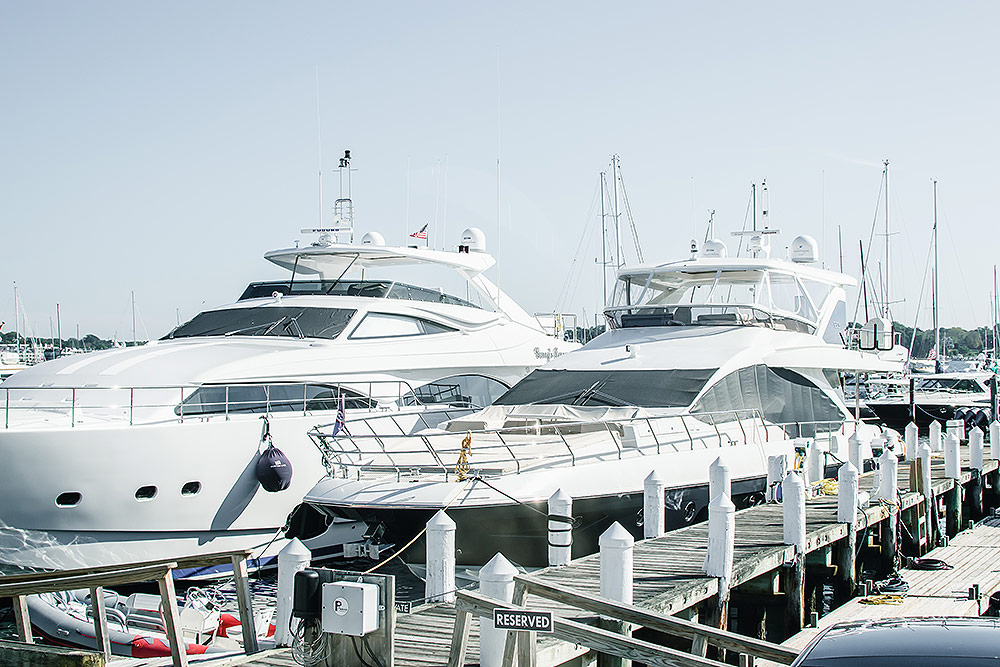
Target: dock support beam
x=847, y=512
x=496, y=580
x=616, y=545
x=440, y=586
x=953, y=497
x=975, y=493
x=561, y=528
x=721, y=549
x=888, y=493
x=793, y=492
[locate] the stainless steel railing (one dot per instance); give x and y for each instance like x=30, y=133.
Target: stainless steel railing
x=72, y=405
x=511, y=450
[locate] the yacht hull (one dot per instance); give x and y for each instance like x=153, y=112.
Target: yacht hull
x=520, y=531
x=131, y=481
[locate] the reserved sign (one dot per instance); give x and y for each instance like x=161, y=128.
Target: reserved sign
x=522, y=619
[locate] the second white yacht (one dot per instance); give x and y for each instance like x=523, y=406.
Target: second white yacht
x=705, y=358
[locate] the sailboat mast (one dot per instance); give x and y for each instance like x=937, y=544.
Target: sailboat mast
x=604, y=243
x=886, y=286
x=17, y=335
x=618, y=231
x=934, y=294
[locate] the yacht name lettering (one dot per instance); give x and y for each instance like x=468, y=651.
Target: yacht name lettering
x=516, y=619
x=547, y=354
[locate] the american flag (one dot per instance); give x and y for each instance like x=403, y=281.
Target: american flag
x=421, y=233
x=339, y=423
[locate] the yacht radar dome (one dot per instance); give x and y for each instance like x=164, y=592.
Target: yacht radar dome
x=373, y=238
x=714, y=249
x=473, y=240
x=804, y=249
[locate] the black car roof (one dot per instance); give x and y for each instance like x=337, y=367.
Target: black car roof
x=925, y=637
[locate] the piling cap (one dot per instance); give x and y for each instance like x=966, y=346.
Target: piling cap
x=498, y=569
x=616, y=537
x=441, y=521
x=560, y=496
x=924, y=448
x=792, y=479
x=653, y=478
x=847, y=469
x=718, y=463
x=295, y=549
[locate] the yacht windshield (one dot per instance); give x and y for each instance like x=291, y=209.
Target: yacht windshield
x=650, y=388
x=296, y=322
x=718, y=296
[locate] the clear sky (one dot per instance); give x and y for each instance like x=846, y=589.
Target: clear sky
x=163, y=147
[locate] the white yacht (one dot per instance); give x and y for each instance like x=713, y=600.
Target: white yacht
x=705, y=358
x=150, y=452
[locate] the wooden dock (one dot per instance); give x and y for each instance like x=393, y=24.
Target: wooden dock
x=972, y=557
x=672, y=594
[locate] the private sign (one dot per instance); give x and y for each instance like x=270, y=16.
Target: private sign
x=521, y=619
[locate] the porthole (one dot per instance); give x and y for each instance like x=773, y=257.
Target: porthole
x=68, y=499
x=145, y=493
x=191, y=488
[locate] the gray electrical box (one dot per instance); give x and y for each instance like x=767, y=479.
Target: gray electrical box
x=350, y=608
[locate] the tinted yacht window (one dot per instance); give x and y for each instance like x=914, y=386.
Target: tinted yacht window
x=260, y=398
x=781, y=395
x=296, y=322
x=475, y=390
x=649, y=388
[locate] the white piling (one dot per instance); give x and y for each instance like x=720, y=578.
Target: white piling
x=814, y=462
x=955, y=427
x=654, y=516
x=924, y=452
x=793, y=490
x=719, y=481
x=888, y=481
x=976, y=449
x=777, y=468
x=560, y=528
x=934, y=436
x=952, y=462
x=721, y=540
x=496, y=580
x=294, y=557
x=616, y=563
x=995, y=440
x=910, y=436
x=440, y=584
x=847, y=494
x=854, y=454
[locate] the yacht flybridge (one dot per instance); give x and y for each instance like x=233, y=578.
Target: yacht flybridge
x=705, y=358
x=150, y=452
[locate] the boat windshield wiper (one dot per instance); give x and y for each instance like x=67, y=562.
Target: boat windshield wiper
x=254, y=327
x=587, y=393
x=293, y=324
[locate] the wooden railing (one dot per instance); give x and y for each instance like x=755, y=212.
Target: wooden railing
x=521, y=644
x=96, y=578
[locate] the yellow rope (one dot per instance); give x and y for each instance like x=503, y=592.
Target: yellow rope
x=828, y=486
x=883, y=599
x=462, y=467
